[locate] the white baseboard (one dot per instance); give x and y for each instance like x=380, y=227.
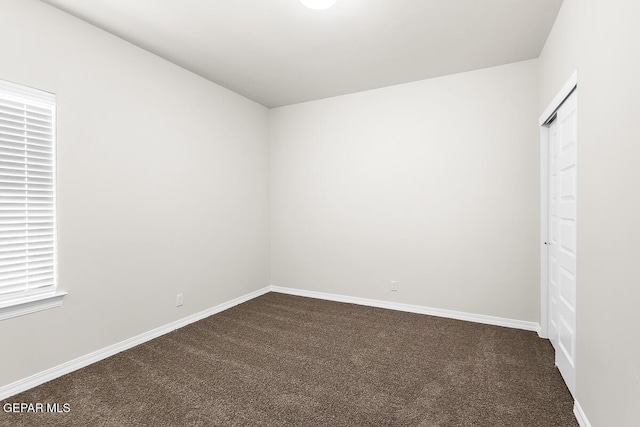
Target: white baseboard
x=580, y=416
x=450, y=314
x=86, y=360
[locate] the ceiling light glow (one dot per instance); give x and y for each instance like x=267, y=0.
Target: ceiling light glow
x=318, y=4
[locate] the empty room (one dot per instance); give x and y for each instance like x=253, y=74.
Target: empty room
x=319, y=213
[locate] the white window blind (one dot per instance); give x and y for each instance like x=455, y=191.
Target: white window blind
x=27, y=192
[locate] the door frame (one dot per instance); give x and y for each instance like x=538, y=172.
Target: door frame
x=543, y=122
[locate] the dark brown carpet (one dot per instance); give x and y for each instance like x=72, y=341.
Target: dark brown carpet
x=283, y=360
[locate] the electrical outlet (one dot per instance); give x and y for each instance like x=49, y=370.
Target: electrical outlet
x=394, y=286
x=179, y=300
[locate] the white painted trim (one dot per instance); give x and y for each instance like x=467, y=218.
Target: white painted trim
x=21, y=93
x=544, y=231
x=32, y=304
x=86, y=360
x=566, y=89
x=564, y=92
x=82, y=361
x=580, y=415
x=450, y=314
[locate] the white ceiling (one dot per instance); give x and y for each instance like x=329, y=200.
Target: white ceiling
x=278, y=52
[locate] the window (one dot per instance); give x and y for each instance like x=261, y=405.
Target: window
x=27, y=201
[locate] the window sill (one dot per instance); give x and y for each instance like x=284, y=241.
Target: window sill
x=27, y=305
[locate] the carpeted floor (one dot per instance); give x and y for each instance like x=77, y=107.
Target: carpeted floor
x=284, y=360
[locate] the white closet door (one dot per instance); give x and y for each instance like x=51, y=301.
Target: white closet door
x=562, y=238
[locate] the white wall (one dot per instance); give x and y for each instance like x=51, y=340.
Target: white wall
x=432, y=183
x=162, y=187
x=559, y=57
x=601, y=40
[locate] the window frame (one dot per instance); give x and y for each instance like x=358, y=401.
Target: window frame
x=52, y=297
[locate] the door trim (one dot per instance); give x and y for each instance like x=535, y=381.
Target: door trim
x=543, y=121
x=564, y=92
